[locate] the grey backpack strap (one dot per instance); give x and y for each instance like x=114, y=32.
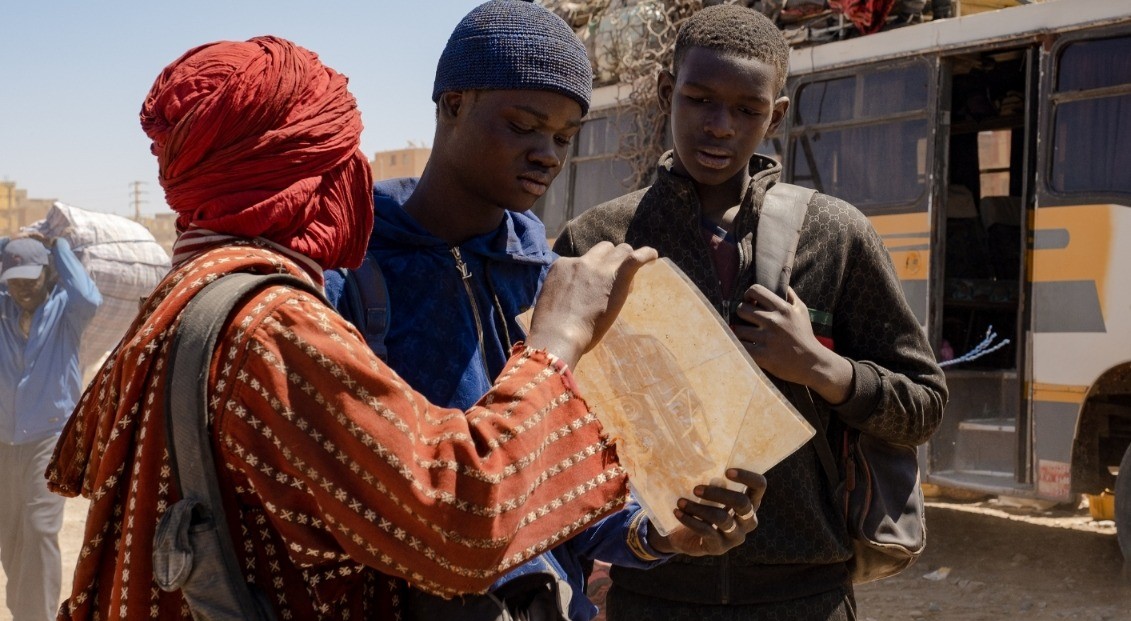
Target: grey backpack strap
x=779, y=228
x=193, y=550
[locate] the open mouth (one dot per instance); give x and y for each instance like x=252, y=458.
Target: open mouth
x=713, y=158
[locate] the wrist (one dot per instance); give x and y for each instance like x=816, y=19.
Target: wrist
x=833, y=378
x=557, y=342
x=659, y=543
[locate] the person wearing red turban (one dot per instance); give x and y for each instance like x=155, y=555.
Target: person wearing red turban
x=339, y=480
x=260, y=139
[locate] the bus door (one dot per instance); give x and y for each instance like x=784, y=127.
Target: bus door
x=984, y=174
x=1081, y=268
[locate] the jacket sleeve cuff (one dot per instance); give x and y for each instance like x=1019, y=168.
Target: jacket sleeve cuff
x=867, y=390
x=552, y=361
x=637, y=538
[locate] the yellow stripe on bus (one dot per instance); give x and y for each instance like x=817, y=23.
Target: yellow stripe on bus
x=1059, y=393
x=907, y=237
x=1086, y=257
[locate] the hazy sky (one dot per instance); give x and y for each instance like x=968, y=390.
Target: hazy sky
x=73, y=75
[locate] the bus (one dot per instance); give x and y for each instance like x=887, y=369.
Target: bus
x=993, y=154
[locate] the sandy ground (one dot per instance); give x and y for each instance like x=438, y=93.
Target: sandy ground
x=984, y=561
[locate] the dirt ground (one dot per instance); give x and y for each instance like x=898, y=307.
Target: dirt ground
x=989, y=560
x=984, y=561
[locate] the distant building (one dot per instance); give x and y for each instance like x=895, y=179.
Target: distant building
x=407, y=162
x=163, y=226
x=17, y=210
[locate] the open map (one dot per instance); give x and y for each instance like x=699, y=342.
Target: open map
x=680, y=395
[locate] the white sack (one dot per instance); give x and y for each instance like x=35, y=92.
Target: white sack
x=124, y=260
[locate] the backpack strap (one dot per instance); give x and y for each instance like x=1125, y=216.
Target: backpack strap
x=365, y=303
x=779, y=229
x=189, y=441
x=803, y=400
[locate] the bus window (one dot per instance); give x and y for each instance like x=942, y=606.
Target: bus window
x=994, y=147
x=871, y=166
x=864, y=137
x=1092, y=114
x=827, y=101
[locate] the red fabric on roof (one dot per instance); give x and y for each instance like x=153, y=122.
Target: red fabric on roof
x=260, y=139
x=867, y=15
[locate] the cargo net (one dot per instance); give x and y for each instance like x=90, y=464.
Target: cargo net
x=628, y=43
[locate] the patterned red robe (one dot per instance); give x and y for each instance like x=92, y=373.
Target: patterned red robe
x=339, y=478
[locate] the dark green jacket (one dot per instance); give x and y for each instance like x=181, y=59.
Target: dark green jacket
x=842, y=270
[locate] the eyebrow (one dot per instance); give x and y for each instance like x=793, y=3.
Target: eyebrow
x=542, y=116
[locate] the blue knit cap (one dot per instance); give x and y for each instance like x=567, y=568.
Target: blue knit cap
x=514, y=45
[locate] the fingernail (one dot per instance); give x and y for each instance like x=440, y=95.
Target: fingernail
x=699, y=489
x=732, y=473
x=681, y=503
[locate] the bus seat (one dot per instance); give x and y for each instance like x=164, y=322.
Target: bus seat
x=1001, y=218
x=1000, y=210
x=960, y=202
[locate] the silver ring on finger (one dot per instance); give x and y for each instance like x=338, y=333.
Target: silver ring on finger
x=727, y=531
x=746, y=516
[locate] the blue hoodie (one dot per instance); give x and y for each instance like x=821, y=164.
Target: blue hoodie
x=451, y=349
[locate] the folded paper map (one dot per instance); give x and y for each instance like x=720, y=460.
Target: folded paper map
x=683, y=399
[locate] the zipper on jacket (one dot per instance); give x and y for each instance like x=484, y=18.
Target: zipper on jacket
x=465, y=276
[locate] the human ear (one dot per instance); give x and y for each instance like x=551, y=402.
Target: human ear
x=781, y=106
x=665, y=88
x=449, y=105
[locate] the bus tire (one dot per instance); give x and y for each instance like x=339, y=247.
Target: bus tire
x=1123, y=507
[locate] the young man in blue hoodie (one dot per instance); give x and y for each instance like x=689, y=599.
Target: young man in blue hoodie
x=461, y=257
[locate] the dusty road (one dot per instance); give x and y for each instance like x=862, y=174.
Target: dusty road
x=999, y=564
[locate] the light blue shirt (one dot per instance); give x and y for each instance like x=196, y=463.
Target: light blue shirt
x=40, y=379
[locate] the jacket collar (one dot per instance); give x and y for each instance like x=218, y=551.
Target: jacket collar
x=763, y=171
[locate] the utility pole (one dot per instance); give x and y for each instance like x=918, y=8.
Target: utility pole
x=136, y=194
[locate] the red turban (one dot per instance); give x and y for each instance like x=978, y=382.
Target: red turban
x=260, y=139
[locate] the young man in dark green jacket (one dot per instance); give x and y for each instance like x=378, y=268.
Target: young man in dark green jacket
x=863, y=357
